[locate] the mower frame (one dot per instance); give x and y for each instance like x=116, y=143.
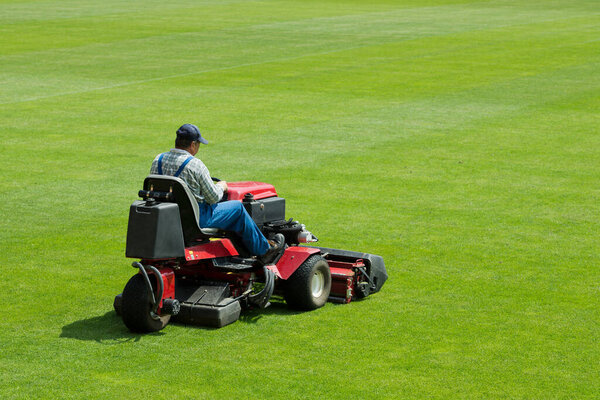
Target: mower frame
x=201, y=276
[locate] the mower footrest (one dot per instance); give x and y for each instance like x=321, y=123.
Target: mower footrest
x=234, y=264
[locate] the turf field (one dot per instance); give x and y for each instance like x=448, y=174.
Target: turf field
x=456, y=138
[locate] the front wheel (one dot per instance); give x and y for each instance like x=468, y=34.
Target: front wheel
x=309, y=286
x=137, y=306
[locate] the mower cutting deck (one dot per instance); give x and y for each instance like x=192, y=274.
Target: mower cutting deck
x=206, y=276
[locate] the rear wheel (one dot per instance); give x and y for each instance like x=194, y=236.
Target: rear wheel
x=137, y=305
x=309, y=286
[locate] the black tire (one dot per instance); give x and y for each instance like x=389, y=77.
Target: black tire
x=136, y=306
x=301, y=291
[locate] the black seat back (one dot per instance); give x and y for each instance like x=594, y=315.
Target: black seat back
x=188, y=206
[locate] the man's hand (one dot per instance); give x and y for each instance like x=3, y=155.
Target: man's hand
x=223, y=185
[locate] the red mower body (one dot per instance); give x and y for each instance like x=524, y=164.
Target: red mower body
x=260, y=190
x=206, y=277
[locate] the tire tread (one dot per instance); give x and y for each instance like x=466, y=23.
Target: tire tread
x=297, y=292
x=136, y=307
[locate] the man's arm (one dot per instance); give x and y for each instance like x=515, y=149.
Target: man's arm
x=154, y=167
x=223, y=185
x=212, y=193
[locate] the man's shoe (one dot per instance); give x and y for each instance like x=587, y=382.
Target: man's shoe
x=277, y=246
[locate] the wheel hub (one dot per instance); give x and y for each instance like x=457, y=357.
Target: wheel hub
x=318, y=284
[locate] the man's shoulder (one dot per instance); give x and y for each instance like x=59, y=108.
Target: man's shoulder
x=163, y=154
x=176, y=157
x=157, y=156
x=196, y=163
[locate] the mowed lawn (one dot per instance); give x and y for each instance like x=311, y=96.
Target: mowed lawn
x=458, y=139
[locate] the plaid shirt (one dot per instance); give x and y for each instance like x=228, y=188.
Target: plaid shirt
x=195, y=174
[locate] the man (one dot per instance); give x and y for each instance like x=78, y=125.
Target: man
x=229, y=215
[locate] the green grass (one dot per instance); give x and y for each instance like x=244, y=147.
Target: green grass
x=457, y=139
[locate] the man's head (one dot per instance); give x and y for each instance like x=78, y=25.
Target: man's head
x=189, y=138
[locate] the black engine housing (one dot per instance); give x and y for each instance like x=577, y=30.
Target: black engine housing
x=264, y=211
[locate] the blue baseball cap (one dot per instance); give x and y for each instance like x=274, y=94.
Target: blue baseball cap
x=190, y=132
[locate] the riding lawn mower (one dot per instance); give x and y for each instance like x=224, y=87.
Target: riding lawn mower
x=205, y=276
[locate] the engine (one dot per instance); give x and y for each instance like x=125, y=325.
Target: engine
x=268, y=211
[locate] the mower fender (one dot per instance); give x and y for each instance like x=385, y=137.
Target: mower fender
x=212, y=249
x=168, y=278
x=291, y=259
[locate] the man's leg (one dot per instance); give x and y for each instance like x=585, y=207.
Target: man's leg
x=232, y=216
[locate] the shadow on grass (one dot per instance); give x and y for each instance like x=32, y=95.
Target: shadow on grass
x=253, y=315
x=105, y=329
x=109, y=328
x=276, y=308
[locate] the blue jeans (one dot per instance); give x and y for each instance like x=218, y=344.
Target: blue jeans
x=232, y=216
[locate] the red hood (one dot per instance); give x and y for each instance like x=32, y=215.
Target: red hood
x=260, y=190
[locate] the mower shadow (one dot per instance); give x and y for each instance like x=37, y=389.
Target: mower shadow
x=276, y=308
x=107, y=329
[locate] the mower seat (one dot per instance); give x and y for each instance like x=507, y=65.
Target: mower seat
x=188, y=207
